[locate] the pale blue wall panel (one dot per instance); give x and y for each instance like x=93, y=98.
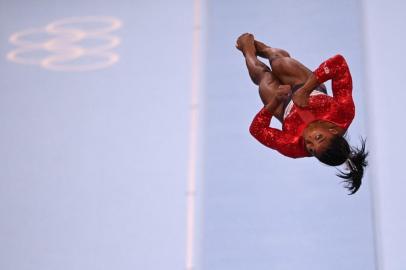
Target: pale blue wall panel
x=93, y=164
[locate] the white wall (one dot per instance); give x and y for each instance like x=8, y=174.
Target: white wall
x=385, y=42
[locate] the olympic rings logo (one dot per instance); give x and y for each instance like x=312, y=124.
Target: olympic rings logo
x=65, y=44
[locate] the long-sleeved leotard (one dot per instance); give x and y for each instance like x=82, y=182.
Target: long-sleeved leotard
x=338, y=109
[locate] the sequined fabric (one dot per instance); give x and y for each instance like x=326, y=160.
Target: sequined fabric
x=338, y=109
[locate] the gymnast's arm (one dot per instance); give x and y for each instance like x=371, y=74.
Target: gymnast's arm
x=274, y=138
x=335, y=69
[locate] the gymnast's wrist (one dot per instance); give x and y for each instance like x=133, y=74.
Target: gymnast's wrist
x=310, y=84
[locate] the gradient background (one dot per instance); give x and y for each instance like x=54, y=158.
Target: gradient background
x=94, y=165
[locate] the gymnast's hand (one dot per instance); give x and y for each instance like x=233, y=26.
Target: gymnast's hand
x=301, y=97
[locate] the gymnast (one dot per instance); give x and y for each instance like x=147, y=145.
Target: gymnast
x=313, y=123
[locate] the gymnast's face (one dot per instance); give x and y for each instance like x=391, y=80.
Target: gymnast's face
x=318, y=138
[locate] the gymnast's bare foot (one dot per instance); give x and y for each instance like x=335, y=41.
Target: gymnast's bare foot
x=263, y=50
x=245, y=42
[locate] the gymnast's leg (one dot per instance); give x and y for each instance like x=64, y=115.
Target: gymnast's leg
x=260, y=73
x=288, y=70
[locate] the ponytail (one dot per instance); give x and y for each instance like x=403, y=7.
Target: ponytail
x=356, y=162
x=340, y=152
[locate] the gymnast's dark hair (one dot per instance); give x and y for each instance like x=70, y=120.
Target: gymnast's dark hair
x=339, y=152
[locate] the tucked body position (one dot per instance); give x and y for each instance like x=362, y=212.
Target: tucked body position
x=313, y=123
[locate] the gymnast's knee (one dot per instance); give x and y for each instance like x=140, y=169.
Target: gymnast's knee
x=279, y=64
x=281, y=53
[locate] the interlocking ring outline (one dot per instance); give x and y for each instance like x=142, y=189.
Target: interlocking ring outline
x=63, y=47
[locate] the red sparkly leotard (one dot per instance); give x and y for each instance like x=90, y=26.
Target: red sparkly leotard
x=338, y=109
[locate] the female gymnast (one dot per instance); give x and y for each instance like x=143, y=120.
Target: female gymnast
x=313, y=123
